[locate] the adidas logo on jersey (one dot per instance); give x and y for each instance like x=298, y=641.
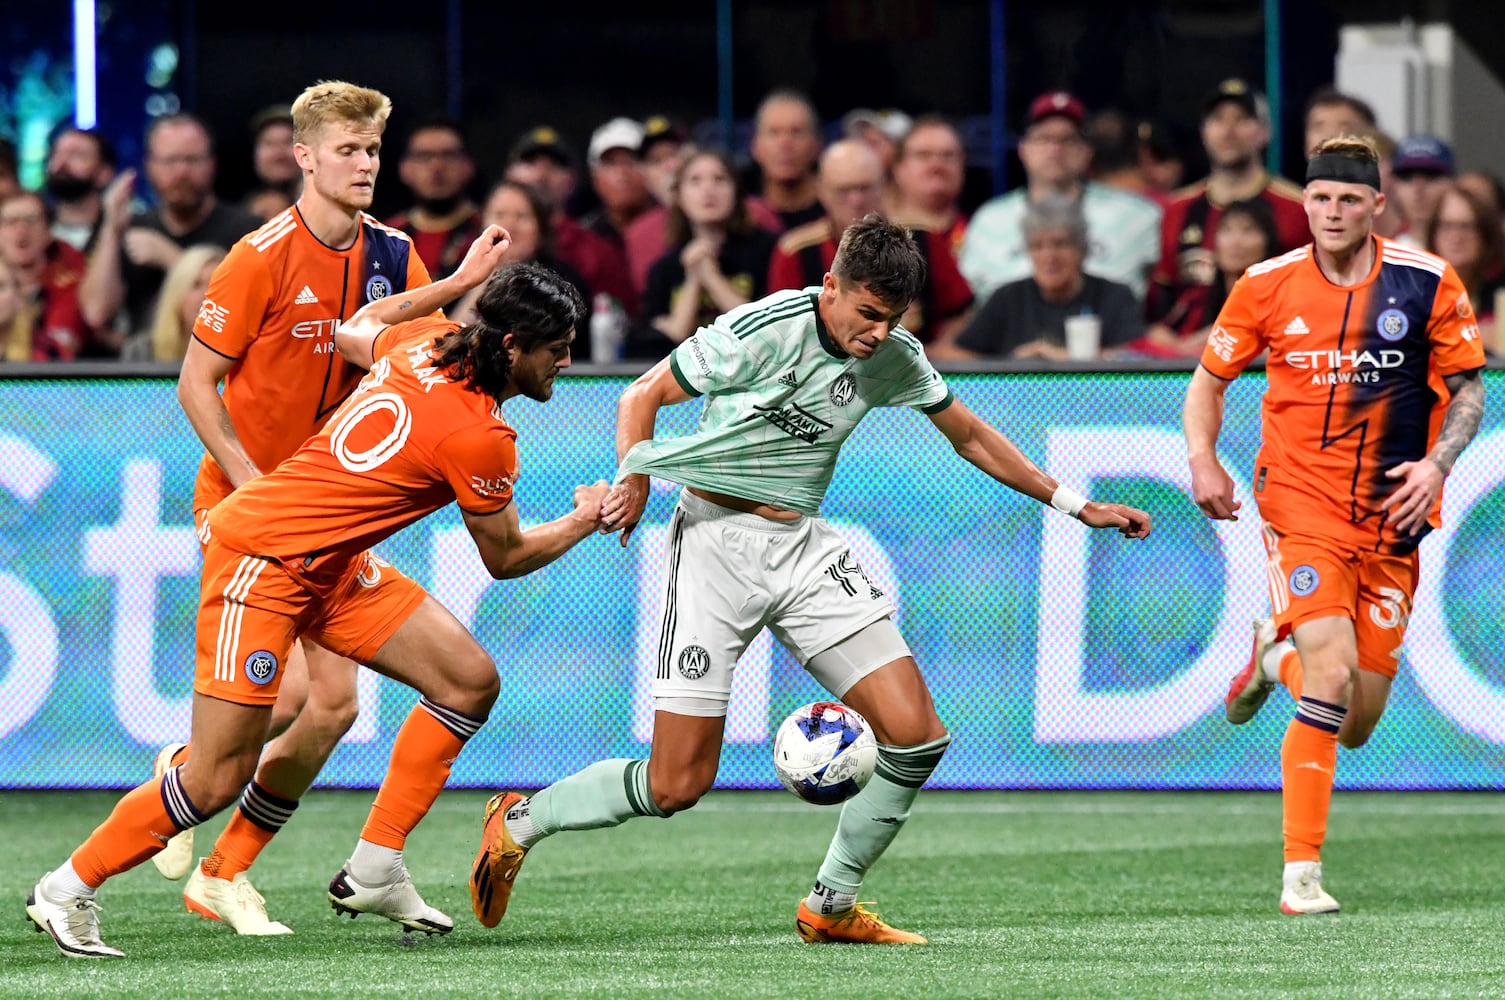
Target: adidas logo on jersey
x=306, y=297
x=788, y=380
x=1296, y=327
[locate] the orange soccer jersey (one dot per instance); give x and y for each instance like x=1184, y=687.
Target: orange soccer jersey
x=1355, y=383
x=406, y=442
x=273, y=305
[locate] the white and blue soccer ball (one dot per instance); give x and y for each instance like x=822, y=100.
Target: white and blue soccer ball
x=824, y=753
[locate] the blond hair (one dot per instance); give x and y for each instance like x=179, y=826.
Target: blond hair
x=1349, y=146
x=335, y=101
x=168, y=336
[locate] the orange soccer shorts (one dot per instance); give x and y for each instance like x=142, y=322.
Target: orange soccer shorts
x=252, y=608
x=1315, y=577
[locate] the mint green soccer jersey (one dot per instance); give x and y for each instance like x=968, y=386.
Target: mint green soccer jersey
x=781, y=398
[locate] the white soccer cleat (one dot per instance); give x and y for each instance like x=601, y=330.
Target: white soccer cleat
x=174, y=860
x=1249, y=689
x=397, y=900
x=1303, y=893
x=233, y=901
x=73, y=924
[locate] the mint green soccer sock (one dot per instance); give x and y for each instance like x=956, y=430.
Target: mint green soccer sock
x=606, y=793
x=873, y=817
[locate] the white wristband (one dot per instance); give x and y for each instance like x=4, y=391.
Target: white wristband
x=1068, y=501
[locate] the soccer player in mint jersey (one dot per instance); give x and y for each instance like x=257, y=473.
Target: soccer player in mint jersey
x=786, y=380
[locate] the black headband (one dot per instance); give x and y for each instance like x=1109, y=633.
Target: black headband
x=1345, y=169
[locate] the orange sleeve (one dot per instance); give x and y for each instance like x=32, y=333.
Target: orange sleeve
x=1453, y=329
x=1238, y=336
x=240, y=292
x=480, y=465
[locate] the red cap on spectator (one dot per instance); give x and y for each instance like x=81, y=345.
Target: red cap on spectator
x=1057, y=102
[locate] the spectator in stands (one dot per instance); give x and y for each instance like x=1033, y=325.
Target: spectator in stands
x=1245, y=236
x=10, y=180
x=1027, y=318
x=178, y=306
x=1484, y=186
x=929, y=172
x=523, y=210
x=1421, y=170
x=541, y=160
x=718, y=259
x=1330, y=112
x=133, y=252
x=15, y=323
x=786, y=146
x=617, y=177
x=882, y=130
x=851, y=187
x=1115, y=154
x=1160, y=160
x=80, y=163
x=48, y=271
x=272, y=158
x=1465, y=231
x=1125, y=228
x=1235, y=131
x=436, y=168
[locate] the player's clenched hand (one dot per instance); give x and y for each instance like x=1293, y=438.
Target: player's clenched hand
x=1129, y=521
x=485, y=255
x=588, y=501
x=1212, y=490
x=1409, y=505
x=623, y=506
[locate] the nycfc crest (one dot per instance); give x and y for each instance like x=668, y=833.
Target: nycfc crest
x=843, y=389
x=694, y=662
x=378, y=288
x=261, y=667
x=1392, y=324
x=1304, y=580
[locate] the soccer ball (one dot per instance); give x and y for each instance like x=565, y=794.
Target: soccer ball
x=824, y=753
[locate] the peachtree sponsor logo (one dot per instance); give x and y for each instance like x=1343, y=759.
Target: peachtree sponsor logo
x=796, y=421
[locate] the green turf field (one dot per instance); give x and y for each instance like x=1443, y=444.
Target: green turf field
x=1022, y=895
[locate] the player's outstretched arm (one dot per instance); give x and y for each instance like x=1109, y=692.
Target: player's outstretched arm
x=356, y=336
x=509, y=551
x=198, y=394
x=637, y=412
x=986, y=447
x=1201, y=421
x=1421, y=482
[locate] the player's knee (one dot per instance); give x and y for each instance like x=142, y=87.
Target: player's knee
x=679, y=793
x=332, y=719
x=213, y=786
x=1356, y=736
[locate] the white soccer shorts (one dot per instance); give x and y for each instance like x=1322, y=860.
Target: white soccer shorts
x=730, y=574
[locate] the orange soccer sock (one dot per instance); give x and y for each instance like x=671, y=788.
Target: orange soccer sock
x=426, y=747
x=257, y=819
x=1308, y=757
x=138, y=827
x=1290, y=672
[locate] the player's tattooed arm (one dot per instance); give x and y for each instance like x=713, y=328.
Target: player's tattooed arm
x=1461, y=421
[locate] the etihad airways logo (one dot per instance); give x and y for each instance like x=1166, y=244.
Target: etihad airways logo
x=796, y=421
x=1339, y=367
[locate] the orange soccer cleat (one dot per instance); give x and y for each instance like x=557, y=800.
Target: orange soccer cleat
x=497, y=862
x=858, y=925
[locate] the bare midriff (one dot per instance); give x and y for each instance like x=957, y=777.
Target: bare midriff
x=767, y=510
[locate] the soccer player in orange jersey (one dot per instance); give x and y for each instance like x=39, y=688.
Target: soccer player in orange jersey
x=1374, y=391
x=266, y=330
x=287, y=555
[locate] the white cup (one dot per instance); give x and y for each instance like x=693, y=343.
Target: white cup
x=1083, y=336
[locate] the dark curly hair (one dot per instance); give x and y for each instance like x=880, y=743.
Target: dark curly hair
x=527, y=300
x=882, y=256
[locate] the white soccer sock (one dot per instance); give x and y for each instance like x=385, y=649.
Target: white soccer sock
x=64, y=884
x=1269, y=664
x=519, y=821
x=825, y=900
x=373, y=864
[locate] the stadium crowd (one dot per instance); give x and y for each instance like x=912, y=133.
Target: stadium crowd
x=660, y=235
